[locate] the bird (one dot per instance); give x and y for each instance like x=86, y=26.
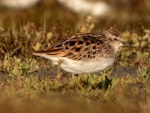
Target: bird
x=84, y=52
x=18, y=4
x=90, y=7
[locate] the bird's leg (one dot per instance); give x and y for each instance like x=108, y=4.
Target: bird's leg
x=74, y=75
x=76, y=80
x=58, y=69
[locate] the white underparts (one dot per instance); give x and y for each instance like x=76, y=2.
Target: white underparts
x=80, y=66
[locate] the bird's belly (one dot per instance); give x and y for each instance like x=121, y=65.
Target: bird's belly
x=86, y=66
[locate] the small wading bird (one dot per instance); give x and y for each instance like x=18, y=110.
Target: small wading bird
x=84, y=53
x=90, y=7
x=18, y=4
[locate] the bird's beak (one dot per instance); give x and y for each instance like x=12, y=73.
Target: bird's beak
x=125, y=44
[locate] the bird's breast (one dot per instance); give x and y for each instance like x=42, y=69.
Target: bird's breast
x=86, y=66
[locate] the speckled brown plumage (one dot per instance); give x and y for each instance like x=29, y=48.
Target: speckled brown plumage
x=97, y=49
x=83, y=46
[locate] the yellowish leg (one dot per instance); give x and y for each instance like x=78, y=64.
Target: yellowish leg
x=76, y=78
x=58, y=70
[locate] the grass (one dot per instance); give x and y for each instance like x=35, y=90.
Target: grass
x=27, y=82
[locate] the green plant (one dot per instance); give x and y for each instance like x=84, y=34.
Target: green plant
x=18, y=67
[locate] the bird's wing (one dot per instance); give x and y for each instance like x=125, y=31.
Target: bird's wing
x=82, y=46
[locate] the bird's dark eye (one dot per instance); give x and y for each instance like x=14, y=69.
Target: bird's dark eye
x=115, y=39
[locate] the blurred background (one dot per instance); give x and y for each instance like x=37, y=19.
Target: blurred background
x=122, y=14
